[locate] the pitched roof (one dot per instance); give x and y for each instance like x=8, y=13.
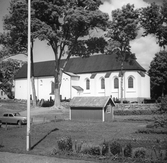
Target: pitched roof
x=90, y=101
x=92, y=64
x=78, y=88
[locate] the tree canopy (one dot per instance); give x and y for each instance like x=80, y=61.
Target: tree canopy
x=154, y=21
x=64, y=25
x=122, y=29
x=14, y=37
x=158, y=74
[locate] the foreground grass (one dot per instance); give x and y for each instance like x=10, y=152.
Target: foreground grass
x=44, y=136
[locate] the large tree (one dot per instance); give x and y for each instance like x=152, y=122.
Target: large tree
x=154, y=21
x=123, y=28
x=158, y=74
x=14, y=37
x=64, y=26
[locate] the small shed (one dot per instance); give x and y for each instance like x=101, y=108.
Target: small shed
x=92, y=108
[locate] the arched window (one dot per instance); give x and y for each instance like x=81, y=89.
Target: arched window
x=130, y=82
x=87, y=84
x=116, y=85
x=102, y=83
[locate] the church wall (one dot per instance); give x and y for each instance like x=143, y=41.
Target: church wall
x=21, y=89
x=65, y=90
x=131, y=92
x=145, y=87
x=43, y=87
x=115, y=92
x=140, y=90
x=99, y=91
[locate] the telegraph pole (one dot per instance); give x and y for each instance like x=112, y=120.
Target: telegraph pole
x=28, y=77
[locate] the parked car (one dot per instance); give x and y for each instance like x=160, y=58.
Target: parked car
x=13, y=118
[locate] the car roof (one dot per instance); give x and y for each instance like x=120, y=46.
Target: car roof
x=10, y=112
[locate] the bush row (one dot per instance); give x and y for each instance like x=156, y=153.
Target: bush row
x=66, y=144
x=107, y=149
x=152, y=131
x=135, y=112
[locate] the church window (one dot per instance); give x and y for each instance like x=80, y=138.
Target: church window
x=116, y=85
x=102, y=83
x=130, y=82
x=87, y=84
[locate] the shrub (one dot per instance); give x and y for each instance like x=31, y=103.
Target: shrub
x=105, y=148
x=139, y=152
x=152, y=131
x=91, y=149
x=65, y=144
x=128, y=150
x=133, y=112
x=149, y=101
x=160, y=122
x=126, y=102
x=77, y=146
x=164, y=104
x=115, y=148
x=47, y=103
x=95, y=150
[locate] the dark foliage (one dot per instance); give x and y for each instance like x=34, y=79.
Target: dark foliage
x=140, y=153
x=105, y=148
x=164, y=104
x=65, y=144
x=134, y=112
x=115, y=148
x=128, y=150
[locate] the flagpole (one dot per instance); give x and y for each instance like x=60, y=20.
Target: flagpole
x=28, y=77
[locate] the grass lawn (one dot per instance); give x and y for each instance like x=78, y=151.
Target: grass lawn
x=44, y=136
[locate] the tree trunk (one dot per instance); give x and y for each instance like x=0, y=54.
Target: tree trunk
x=32, y=76
x=57, y=103
x=58, y=81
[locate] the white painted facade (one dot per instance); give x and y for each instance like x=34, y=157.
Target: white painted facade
x=139, y=90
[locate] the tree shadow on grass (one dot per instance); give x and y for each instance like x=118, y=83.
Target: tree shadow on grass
x=56, y=129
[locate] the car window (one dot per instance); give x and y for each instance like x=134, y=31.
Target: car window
x=10, y=115
x=5, y=115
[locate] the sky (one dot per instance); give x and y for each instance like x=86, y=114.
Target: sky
x=145, y=48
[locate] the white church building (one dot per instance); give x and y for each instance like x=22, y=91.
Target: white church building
x=97, y=75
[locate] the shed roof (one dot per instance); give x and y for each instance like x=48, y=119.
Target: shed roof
x=92, y=64
x=90, y=101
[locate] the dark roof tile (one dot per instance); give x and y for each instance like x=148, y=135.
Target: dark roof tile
x=92, y=64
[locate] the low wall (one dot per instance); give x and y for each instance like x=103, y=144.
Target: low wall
x=137, y=106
